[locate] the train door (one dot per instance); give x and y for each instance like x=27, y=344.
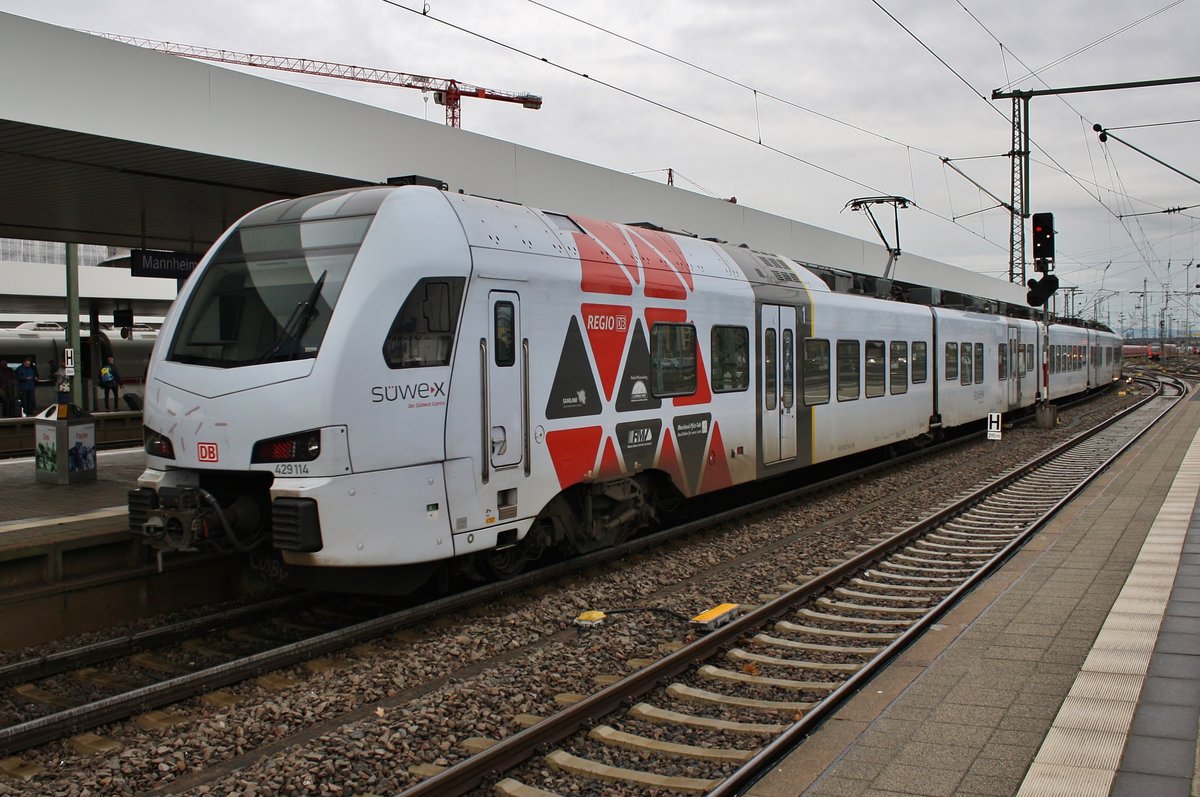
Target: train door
x=505, y=387
x=778, y=379
x=1016, y=367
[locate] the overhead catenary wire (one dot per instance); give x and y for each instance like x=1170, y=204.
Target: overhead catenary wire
x=732, y=81
x=757, y=91
x=425, y=13
x=1036, y=73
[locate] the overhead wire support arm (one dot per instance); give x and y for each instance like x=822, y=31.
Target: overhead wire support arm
x=997, y=94
x=1105, y=135
x=1007, y=206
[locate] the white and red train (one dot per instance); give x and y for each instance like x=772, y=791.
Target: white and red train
x=43, y=342
x=382, y=382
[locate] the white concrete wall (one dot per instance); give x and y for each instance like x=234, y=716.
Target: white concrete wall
x=95, y=282
x=59, y=78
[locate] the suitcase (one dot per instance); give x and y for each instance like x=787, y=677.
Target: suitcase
x=133, y=401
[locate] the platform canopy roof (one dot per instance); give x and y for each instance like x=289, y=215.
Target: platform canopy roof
x=107, y=143
x=73, y=186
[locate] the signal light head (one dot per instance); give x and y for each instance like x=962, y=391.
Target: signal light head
x=1043, y=241
x=1041, y=290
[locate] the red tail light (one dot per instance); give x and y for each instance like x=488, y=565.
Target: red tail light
x=157, y=445
x=301, y=447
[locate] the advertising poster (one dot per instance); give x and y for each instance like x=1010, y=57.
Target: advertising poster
x=46, y=455
x=81, y=455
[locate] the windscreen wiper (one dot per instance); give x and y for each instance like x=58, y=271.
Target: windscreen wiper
x=297, y=322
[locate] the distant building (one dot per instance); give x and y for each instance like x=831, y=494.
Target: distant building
x=16, y=250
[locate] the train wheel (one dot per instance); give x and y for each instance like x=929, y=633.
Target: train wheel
x=498, y=565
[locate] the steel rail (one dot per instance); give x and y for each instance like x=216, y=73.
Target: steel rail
x=54, y=726
x=59, y=724
x=781, y=746
x=517, y=748
x=116, y=647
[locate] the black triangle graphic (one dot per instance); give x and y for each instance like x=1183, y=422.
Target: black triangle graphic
x=634, y=391
x=691, y=441
x=574, y=392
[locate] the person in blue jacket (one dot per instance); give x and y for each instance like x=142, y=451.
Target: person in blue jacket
x=110, y=382
x=27, y=377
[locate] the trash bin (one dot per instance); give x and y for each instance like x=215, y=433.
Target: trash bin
x=66, y=445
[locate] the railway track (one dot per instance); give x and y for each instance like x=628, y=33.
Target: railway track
x=53, y=726
x=123, y=676
x=784, y=666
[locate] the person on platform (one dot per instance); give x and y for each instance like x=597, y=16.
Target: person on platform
x=110, y=382
x=27, y=377
x=8, y=390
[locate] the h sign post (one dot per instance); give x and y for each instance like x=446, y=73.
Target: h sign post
x=994, y=426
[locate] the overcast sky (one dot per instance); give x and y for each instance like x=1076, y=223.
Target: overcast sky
x=849, y=98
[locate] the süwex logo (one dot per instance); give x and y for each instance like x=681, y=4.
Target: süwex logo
x=417, y=394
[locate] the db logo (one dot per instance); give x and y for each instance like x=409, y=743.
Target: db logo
x=207, y=452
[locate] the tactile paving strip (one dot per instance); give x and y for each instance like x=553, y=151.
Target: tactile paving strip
x=1081, y=753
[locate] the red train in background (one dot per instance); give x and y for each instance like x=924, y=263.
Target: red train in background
x=1151, y=351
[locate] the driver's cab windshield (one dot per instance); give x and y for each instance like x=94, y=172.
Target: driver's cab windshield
x=268, y=292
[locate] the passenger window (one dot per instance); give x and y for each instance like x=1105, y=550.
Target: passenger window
x=816, y=371
x=920, y=361
x=876, y=368
x=1002, y=361
x=898, y=366
x=673, y=359
x=788, y=389
x=422, y=334
x=504, y=324
x=965, y=372
x=979, y=363
x=847, y=370
x=730, y=359
x=951, y=362
x=769, y=386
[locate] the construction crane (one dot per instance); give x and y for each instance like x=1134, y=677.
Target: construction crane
x=446, y=91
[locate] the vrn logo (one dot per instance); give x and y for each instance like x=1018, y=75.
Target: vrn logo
x=418, y=391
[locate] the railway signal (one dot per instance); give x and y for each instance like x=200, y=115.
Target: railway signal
x=1043, y=243
x=1041, y=290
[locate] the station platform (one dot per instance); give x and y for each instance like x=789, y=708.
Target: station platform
x=1074, y=670
x=25, y=500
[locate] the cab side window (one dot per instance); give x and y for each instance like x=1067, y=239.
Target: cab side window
x=422, y=334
